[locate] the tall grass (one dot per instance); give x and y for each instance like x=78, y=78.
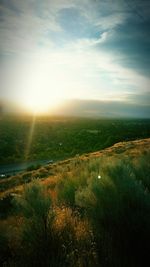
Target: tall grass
x=100, y=217
x=117, y=205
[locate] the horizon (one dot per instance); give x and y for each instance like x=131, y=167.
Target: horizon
x=83, y=109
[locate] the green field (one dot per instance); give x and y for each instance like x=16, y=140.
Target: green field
x=58, y=138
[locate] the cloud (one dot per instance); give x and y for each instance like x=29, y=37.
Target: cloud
x=25, y=24
x=132, y=42
x=110, y=109
x=98, y=48
x=111, y=21
x=23, y=27
x=72, y=73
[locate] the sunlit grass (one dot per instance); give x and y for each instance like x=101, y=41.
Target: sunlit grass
x=98, y=201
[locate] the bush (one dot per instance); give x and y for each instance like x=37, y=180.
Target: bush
x=33, y=167
x=51, y=237
x=102, y=219
x=66, y=191
x=35, y=206
x=142, y=170
x=76, y=237
x=119, y=209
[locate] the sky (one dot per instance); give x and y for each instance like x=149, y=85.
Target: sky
x=92, y=54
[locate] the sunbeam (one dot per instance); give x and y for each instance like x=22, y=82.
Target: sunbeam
x=30, y=137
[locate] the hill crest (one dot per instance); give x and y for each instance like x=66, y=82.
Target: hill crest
x=49, y=174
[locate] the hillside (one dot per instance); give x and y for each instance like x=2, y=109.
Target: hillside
x=50, y=173
x=88, y=211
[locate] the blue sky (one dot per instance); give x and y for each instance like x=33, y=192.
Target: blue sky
x=67, y=49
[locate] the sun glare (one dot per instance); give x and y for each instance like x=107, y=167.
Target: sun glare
x=49, y=78
x=40, y=103
x=41, y=93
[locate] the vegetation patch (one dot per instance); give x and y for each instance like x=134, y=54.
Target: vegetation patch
x=95, y=211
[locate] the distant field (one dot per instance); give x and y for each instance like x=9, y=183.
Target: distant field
x=58, y=138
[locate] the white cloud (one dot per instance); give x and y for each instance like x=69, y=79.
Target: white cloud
x=111, y=21
x=21, y=32
x=24, y=28
x=72, y=73
x=76, y=70
x=83, y=44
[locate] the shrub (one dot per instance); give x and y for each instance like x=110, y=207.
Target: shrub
x=52, y=237
x=33, y=167
x=142, y=170
x=77, y=238
x=66, y=191
x=35, y=206
x=69, y=183
x=119, y=209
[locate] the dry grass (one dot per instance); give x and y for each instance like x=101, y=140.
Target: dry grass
x=50, y=174
x=74, y=180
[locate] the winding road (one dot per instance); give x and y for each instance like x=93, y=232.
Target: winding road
x=12, y=169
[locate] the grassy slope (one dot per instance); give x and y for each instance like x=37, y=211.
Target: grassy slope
x=51, y=173
x=91, y=216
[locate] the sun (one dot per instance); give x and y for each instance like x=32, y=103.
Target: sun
x=40, y=102
x=41, y=92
